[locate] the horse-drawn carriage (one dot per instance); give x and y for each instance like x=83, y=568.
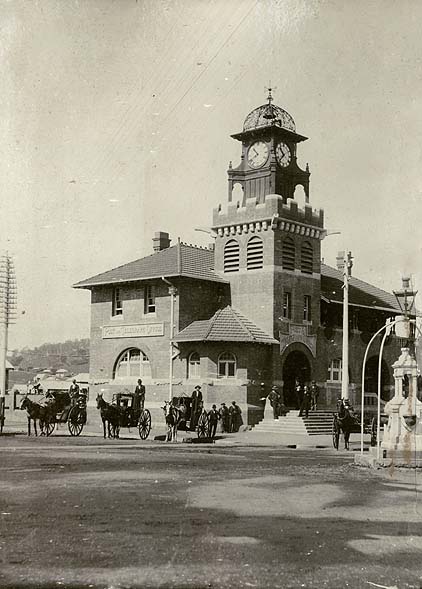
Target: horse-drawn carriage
x=124, y=411
x=347, y=421
x=187, y=414
x=59, y=408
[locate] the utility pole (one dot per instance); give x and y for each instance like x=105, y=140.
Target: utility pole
x=347, y=270
x=7, y=313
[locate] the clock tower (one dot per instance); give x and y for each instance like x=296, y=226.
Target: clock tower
x=267, y=246
x=268, y=162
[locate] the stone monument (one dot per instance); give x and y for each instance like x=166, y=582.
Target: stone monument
x=403, y=433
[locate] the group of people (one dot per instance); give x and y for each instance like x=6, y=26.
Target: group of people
x=307, y=397
x=229, y=417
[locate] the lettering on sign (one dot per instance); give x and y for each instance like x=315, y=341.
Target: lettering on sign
x=145, y=330
x=299, y=330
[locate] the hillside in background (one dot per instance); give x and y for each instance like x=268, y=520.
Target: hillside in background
x=71, y=356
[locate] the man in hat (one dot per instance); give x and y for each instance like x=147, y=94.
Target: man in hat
x=235, y=414
x=275, y=401
x=213, y=416
x=139, y=396
x=306, y=402
x=224, y=416
x=314, y=395
x=196, y=406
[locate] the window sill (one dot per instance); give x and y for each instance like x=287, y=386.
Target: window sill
x=116, y=317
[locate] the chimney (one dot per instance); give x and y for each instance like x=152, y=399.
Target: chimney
x=160, y=241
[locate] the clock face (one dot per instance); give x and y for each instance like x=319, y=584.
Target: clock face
x=283, y=154
x=258, y=154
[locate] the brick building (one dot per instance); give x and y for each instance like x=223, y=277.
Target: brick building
x=258, y=307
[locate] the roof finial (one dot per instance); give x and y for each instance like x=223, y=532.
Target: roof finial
x=270, y=89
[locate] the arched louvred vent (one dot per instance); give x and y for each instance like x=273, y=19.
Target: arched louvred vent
x=288, y=254
x=307, y=258
x=255, y=253
x=231, y=256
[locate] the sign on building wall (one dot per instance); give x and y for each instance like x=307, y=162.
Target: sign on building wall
x=145, y=330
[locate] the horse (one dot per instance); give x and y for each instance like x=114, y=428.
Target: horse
x=110, y=415
x=173, y=416
x=35, y=412
x=346, y=419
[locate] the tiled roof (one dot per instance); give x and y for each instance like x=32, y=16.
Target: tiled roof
x=178, y=260
x=225, y=325
x=360, y=293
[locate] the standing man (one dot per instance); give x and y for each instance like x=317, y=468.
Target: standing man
x=235, y=414
x=139, y=397
x=298, y=394
x=214, y=416
x=306, y=402
x=196, y=397
x=274, y=399
x=225, y=421
x=74, y=390
x=314, y=395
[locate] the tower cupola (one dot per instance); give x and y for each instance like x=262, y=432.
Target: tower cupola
x=269, y=155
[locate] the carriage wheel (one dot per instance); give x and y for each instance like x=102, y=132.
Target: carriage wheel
x=144, y=424
x=76, y=421
x=336, y=433
x=374, y=432
x=203, y=427
x=48, y=427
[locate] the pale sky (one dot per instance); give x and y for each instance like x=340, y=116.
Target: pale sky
x=117, y=118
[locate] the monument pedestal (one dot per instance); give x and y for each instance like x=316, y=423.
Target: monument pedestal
x=403, y=432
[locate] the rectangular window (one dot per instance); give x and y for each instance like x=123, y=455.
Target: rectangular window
x=335, y=370
x=287, y=305
x=307, y=311
x=117, y=304
x=149, y=299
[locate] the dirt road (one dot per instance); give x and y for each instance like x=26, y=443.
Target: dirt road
x=124, y=513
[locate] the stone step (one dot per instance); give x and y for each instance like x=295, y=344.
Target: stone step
x=317, y=423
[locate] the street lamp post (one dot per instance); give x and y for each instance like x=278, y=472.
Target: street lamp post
x=347, y=269
x=172, y=356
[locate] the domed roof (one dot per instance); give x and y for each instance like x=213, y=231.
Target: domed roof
x=269, y=114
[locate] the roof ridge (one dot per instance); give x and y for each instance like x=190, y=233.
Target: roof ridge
x=212, y=321
x=128, y=263
x=241, y=319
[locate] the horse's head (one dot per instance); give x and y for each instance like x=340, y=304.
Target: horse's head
x=24, y=403
x=166, y=408
x=100, y=401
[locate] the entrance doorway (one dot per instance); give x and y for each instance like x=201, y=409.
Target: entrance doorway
x=296, y=367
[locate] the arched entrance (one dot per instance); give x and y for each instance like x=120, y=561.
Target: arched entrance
x=296, y=367
x=371, y=378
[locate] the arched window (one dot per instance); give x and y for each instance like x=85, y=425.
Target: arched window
x=255, y=253
x=306, y=258
x=231, y=256
x=288, y=254
x=194, y=365
x=226, y=365
x=133, y=363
